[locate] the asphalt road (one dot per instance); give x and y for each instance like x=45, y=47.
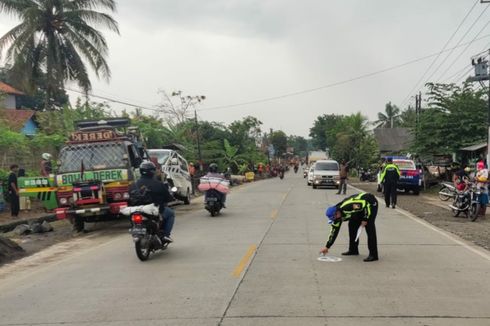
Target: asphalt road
x=255, y=265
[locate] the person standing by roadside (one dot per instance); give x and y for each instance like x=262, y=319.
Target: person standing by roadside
x=390, y=177
x=481, y=183
x=13, y=190
x=46, y=168
x=343, y=171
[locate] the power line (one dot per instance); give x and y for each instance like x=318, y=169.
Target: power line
x=462, y=52
x=439, y=54
x=460, y=40
x=268, y=99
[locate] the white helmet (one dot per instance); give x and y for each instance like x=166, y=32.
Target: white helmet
x=46, y=156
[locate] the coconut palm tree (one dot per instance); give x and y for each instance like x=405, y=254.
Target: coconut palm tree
x=57, y=39
x=389, y=119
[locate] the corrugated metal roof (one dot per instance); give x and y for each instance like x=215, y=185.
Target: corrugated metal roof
x=393, y=139
x=475, y=147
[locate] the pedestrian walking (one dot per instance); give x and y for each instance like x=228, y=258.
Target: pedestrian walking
x=343, y=172
x=13, y=190
x=481, y=183
x=359, y=210
x=389, y=178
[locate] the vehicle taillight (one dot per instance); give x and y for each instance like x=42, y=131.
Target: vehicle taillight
x=412, y=172
x=137, y=218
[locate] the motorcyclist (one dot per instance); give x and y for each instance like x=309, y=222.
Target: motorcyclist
x=213, y=173
x=160, y=196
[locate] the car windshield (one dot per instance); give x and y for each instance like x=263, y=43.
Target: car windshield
x=404, y=165
x=327, y=166
x=96, y=156
x=162, y=156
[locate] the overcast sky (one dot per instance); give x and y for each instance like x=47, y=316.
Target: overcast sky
x=235, y=51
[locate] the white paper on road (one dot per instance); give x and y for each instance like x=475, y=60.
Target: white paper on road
x=359, y=231
x=329, y=259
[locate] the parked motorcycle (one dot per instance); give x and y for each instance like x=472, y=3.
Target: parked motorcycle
x=447, y=191
x=367, y=175
x=467, y=202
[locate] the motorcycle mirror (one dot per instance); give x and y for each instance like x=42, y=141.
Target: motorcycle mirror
x=174, y=189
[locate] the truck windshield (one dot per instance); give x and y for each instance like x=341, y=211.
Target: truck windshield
x=161, y=155
x=96, y=156
x=327, y=166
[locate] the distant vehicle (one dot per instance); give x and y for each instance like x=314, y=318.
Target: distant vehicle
x=410, y=177
x=326, y=173
x=176, y=171
x=309, y=179
x=314, y=156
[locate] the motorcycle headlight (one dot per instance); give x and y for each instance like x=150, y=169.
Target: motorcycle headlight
x=117, y=196
x=63, y=201
x=126, y=195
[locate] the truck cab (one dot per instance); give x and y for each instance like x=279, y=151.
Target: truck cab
x=96, y=167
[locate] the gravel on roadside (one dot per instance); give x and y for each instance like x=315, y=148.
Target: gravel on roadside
x=429, y=207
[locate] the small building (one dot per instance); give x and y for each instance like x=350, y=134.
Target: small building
x=20, y=121
x=471, y=154
x=11, y=100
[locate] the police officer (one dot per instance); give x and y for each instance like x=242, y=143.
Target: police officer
x=389, y=177
x=359, y=209
x=160, y=196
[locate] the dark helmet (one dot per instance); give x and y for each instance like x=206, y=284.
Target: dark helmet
x=148, y=169
x=213, y=168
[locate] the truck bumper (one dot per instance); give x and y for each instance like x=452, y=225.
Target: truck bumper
x=113, y=208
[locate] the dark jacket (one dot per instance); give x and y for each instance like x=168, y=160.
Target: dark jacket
x=356, y=206
x=390, y=173
x=159, y=191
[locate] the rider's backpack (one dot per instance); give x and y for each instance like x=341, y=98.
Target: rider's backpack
x=140, y=196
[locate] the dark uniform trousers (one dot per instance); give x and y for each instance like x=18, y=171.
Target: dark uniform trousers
x=355, y=223
x=390, y=193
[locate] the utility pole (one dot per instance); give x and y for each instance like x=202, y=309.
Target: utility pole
x=418, y=110
x=482, y=74
x=199, y=155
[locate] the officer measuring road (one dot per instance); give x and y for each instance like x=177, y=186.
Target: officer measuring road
x=360, y=210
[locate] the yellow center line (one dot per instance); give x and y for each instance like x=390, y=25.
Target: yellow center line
x=243, y=263
x=274, y=213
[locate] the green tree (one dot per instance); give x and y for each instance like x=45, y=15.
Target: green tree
x=280, y=142
x=408, y=118
x=56, y=39
x=324, y=130
x=456, y=116
x=390, y=118
x=300, y=145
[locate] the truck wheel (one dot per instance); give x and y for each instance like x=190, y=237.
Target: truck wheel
x=77, y=222
x=187, y=199
x=416, y=192
x=314, y=187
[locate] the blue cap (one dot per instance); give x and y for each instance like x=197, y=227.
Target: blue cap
x=331, y=214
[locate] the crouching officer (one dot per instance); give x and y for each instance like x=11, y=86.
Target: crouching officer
x=359, y=209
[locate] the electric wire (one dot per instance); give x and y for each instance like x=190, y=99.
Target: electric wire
x=439, y=54
x=462, y=52
x=459, y=42
x=272, y=98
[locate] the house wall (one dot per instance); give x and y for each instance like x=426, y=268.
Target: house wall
x=9, y=102
x=30, y=128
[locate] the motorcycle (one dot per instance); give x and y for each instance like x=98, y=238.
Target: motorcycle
x=447, y=191
x=281, y=174
x=296, y=169
x=214, y=202
x=145, y=227
x=467, y=202
x=305, y=173
x=367, y=175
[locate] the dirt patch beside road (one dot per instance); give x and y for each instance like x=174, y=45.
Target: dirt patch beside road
x=429, y=207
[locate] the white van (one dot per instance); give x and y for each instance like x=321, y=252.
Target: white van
x=326, y=173
x=176, y=170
